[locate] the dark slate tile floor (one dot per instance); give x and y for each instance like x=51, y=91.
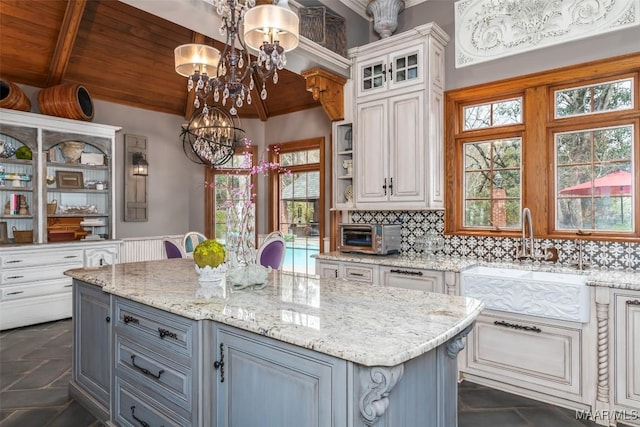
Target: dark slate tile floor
x=35, y=369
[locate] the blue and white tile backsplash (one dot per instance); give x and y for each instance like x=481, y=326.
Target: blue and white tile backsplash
x=609, y=255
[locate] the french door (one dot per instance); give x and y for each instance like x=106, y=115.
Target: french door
x=298, y=196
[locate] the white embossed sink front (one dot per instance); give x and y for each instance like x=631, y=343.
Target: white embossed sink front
x=557, y=295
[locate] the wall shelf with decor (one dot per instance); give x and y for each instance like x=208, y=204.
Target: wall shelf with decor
x=343, y=165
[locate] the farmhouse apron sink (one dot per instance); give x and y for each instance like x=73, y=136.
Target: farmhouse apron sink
x=557, y=295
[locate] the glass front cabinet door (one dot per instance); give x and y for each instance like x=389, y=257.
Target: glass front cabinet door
x=18, y=184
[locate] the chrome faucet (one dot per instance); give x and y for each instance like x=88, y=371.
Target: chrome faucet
x=526, y=249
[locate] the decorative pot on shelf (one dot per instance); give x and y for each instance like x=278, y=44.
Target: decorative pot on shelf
x=72, y=151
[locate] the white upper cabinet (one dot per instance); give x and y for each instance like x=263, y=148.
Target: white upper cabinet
x=399, y=141
x=391, y=162
x=378, y=72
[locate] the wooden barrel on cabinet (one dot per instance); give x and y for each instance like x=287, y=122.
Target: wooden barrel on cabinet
x=71, y=101
x=12, y=97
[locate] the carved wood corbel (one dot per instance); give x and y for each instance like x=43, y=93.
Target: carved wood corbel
x=376, y=388
x=328, y=89
x=457, y=343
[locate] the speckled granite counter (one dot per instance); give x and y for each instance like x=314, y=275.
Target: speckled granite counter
x=365, y=324
x=607, y=278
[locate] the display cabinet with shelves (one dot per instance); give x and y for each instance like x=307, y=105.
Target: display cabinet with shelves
x=68, y=184
x=343, y=165
x=65, y=221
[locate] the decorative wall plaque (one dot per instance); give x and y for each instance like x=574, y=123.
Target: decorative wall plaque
x=491, y=29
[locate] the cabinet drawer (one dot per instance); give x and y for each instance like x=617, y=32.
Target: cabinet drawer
x=168, y=382
x=526, y=353
x=134, y=408
x=38, y=258
x=166, y=331
x=411, y=278
x=27, y=290
x=35, y=274
x=360, y=274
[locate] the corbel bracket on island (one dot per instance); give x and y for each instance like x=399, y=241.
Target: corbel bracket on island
x=378, y=382
x=328, y=89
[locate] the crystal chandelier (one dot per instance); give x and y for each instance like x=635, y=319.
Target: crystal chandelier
x=211, y=136
x=269, y=29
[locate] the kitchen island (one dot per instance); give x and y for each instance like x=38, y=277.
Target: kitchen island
x=300, y=351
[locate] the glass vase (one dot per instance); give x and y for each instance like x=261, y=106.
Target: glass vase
x=241, y=234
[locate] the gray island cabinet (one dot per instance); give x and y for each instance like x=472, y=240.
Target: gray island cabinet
x=153, y=347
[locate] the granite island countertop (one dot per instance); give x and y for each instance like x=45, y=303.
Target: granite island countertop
x=368, y=325
x=629, y=280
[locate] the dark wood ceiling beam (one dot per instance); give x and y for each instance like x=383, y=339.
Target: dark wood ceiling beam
x=66, y=40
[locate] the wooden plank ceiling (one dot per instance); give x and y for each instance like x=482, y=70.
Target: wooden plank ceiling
x=118, y=53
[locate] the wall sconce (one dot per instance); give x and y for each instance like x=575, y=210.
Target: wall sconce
x=140, y=165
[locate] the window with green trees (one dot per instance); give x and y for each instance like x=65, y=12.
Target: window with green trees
x=565, y=143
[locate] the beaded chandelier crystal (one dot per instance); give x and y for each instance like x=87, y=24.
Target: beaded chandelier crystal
x=269, y=29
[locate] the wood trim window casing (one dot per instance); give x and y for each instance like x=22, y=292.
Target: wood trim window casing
x=538, y=178
x=210, y=195
x=274, y=196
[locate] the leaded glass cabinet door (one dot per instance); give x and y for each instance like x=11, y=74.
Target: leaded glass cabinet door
x=406, y=67
x=372, y=76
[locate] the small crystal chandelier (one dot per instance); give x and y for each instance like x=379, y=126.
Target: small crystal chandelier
x=211, y=137
x=269, y=29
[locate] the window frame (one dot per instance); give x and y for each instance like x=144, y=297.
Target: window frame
x=538, y=158
x=210, y=194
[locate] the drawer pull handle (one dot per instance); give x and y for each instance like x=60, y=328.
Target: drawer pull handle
x=133, y=414
x=516, y=326
x=166, y=333
x=71, y=256
x=144, y=370
x=130, y=319
x=356, y=274
x=15, y=293
x=408, y=272
x=14, y=277
x=14, y=261
x=634, y=302
x=68, y=286
x=220, y=364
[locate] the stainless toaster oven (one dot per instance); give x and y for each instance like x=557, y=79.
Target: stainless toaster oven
x=377, y=239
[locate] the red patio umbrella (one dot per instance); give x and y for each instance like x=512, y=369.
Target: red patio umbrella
x=616, y=183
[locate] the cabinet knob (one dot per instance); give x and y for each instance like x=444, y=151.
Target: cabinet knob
x=108, y=319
